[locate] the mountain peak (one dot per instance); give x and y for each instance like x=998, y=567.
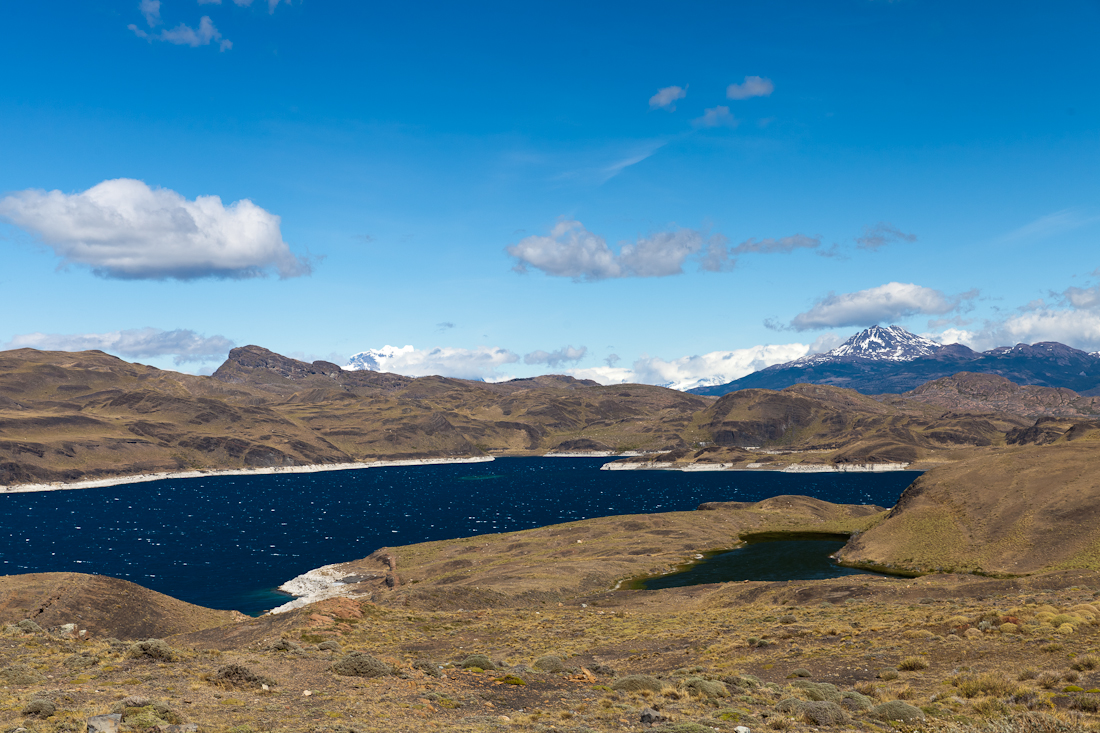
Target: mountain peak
x=892, y=343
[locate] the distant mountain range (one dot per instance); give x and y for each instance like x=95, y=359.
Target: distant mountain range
x=892, y=360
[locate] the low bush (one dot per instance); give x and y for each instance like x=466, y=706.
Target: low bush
x=361, y=664
x=897, y=710
x=912, y=664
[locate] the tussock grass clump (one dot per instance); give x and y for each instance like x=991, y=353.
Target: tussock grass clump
x=550, y=663
x=1048, y=680
x=818, y=691
x=155, y=649
x=1087, y=662
x=888, y=674
x=237, y=675
x=912, y=664
x=1027, y=673
x=867, y=687
x=478, y=660
x=823, y=713
x=637, y=683
x=40, y=707
x=897, y=710
x=428, y=667
x=700, y=687
x=21, y=674
x=990, y=684
x=361, y=664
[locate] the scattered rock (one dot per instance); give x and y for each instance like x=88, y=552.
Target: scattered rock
x=282, y=645
x=152, y=649
x=637, y=683
x=652, y=717
x=104, y=723
x=602, y=670
x=40, y=707
x=361, y=664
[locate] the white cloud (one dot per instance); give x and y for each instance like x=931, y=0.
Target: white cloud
x=666, y=98
x=151, y=10
x=556, y=358
x=214, y=2
x=478, y=363
x=782, y=245
x=884, y=303
x=688, y=372
x=882, y=234
x=1083, y=298
x=716, y=117
x=570, y=250
x=122, y=228
x=185, y=345
x=185, y=35
x=753, y=86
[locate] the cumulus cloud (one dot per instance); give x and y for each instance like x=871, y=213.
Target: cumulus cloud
x=666, y=98
x=570, y=250
x=882, y=234
x=185, y=35
x=556, y=358
x=884, y=303
x=753, y=86
x=688, y=372
x=479, y=363
x=182, y=344
x=1077, y=324
x=124, y=229
x=271, y=4
x=716, y=117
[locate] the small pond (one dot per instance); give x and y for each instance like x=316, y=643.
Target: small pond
x=803, y=557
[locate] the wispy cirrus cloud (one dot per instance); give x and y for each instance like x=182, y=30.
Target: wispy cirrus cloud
x=753, y=86
x=124, y=229
x=1058, y=222
x=183, y=344
x=881, y=234
x=666, y=98
x=884, y=303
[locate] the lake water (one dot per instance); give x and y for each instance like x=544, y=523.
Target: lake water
x=773, y=560
x=229, y=541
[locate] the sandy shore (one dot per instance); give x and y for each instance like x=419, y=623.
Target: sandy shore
x=316, y=468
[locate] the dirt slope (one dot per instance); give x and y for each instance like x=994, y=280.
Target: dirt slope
x=103, y=606
x=1012, y=511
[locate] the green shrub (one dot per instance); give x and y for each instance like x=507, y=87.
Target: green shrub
x=704, y=688
x=361, y=664
x=550, y=663
x=152, y=649
x=477, y=660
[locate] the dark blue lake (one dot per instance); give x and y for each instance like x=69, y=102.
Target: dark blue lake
x=229, y=541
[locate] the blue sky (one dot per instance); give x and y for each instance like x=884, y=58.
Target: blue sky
x=643, y=191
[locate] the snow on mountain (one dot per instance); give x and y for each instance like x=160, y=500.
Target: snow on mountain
x=892, y=343
x=373, y=359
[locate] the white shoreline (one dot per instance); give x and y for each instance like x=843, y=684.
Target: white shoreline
x=312, y=586
x=790, y=468
x=313, y=468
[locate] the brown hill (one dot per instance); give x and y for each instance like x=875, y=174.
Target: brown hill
x=1010, y=511
x=103, y=606
x=967, y=391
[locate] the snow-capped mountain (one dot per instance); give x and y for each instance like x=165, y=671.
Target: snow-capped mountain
x=892, y=343
x=374, y=359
